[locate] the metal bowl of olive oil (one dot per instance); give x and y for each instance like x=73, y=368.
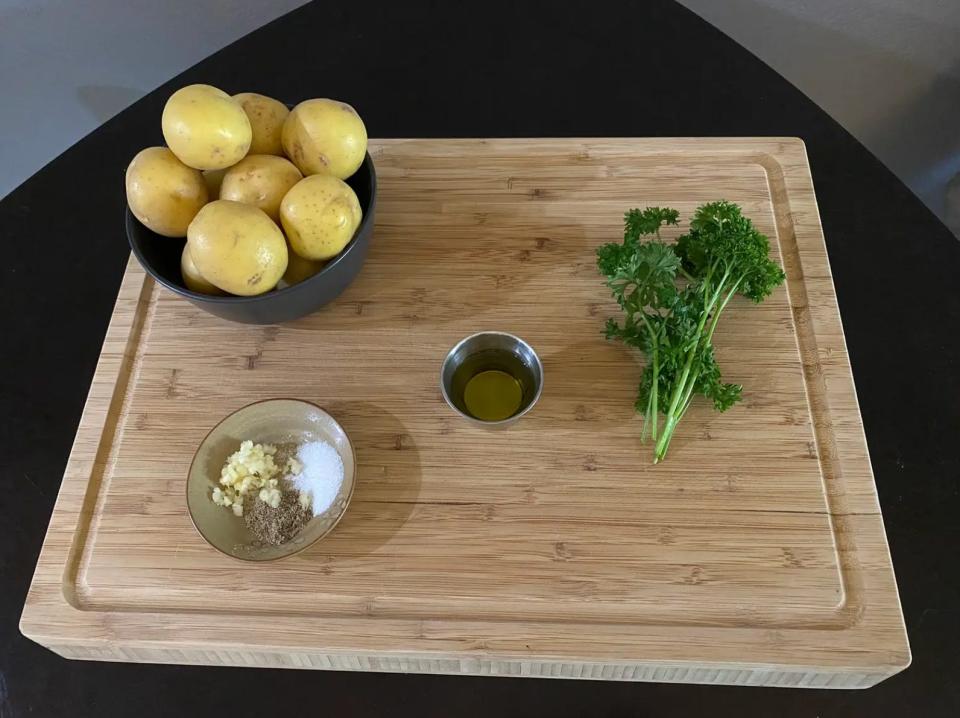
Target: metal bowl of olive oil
x=491, y=378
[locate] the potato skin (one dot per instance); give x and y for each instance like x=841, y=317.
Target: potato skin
x=214, y=178
x=299, y=268
x=324, y=136
x=162, y=192
x=206, y=128
x=237, y=248
x=192, y=278
x=266, y=117
x=320, y=216
x=260, y=180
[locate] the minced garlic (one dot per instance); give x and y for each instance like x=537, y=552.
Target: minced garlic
x=251, y=469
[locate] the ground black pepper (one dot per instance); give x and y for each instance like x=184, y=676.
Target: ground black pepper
x=275, y=526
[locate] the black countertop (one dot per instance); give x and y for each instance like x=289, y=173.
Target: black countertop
x=494, y=68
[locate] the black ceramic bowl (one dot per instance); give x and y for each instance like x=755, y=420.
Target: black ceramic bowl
x=160, y=256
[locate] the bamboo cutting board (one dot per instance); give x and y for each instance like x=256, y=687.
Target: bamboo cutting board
x=754, y=555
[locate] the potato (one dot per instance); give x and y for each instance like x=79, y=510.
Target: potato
x=206, y=128
x=260, y=180
x=214, y=178
x=320, y=215
x=163, y=193
x=299, y=268
x=192, y=277
x=266, y=117
x=325, y=137
x=237, y=248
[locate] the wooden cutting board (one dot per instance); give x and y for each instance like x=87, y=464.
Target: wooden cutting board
x=754, y=555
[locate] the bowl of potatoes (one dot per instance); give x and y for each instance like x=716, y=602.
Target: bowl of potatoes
x=253, y=211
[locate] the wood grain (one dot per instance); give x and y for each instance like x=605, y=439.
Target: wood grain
x=754, y=555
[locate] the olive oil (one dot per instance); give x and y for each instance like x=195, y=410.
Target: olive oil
x=492, y=395
x=492, y=385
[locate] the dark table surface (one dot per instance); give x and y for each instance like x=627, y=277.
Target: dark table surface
x=494, y=68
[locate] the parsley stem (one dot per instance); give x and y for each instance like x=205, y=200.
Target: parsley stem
x=688, y=397
x=653, y=412
x=685, y=386
x=723, y=304
x=681, y=384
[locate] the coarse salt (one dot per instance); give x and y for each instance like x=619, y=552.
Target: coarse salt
x=322, y=474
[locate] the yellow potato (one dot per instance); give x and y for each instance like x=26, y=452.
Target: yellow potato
x=163, y=193
x=299, y=268
x=266, y=117
x=237, y=248
x=214, y=178
x=260, y=180
x=206, y=128
x=320, y=215
x=192, y=277
x=325, y=137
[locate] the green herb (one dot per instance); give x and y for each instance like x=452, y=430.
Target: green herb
x=673, y=296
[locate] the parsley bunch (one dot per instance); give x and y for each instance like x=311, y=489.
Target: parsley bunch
x=673, y=295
